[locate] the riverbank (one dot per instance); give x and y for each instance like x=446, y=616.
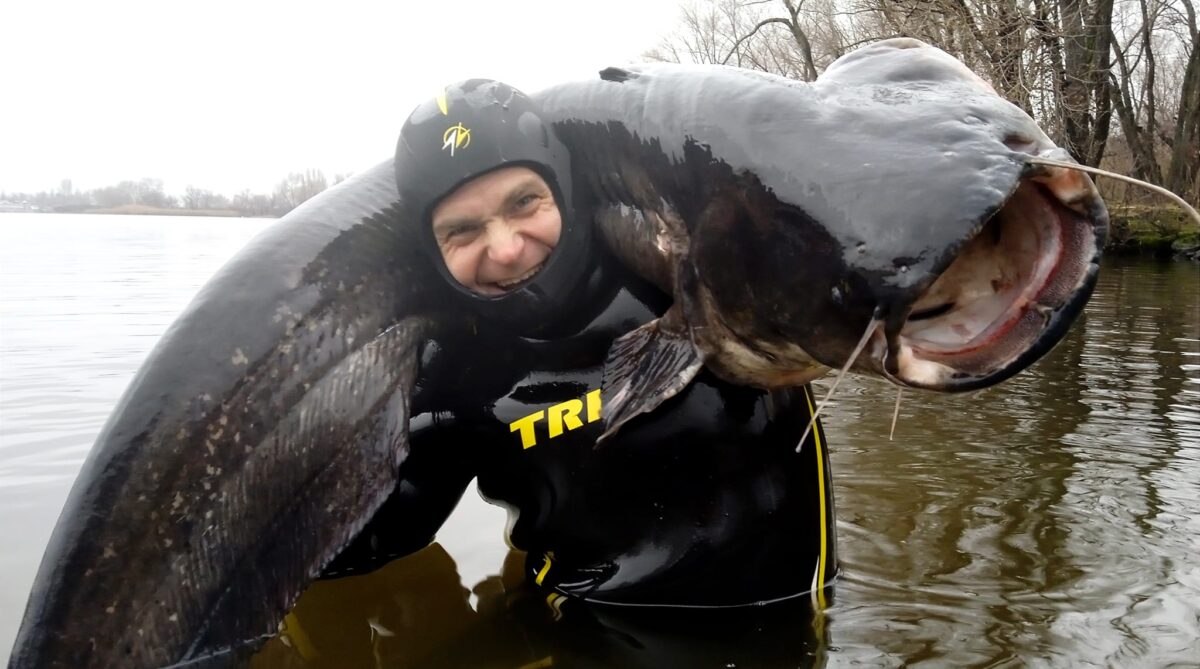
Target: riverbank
x=1160, y=232
x=1136, y=230
x=143, y=210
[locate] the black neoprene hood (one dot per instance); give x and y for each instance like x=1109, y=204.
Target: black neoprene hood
x=474, y=127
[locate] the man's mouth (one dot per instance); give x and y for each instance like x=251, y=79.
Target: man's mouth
x=513, y=283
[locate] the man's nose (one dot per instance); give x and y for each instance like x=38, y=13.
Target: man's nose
x=505, y=244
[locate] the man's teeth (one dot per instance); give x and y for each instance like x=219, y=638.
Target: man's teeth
x=509, y=283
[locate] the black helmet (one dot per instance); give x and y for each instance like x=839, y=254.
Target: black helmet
x=474, y=127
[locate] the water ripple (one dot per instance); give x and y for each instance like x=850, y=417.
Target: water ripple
x=1051, y=522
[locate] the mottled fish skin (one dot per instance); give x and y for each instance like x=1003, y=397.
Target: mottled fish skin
x=259, y=436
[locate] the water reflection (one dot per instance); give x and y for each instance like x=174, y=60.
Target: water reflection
x=1054, y=521
x=1050, y=521
x=415, y=613
x=83, y=298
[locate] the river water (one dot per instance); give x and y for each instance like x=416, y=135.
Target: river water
x=1054, y=521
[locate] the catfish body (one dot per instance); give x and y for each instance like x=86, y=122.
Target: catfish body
x=259, y=435
x=893, y=202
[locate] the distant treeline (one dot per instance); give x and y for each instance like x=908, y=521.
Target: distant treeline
x=148, y=196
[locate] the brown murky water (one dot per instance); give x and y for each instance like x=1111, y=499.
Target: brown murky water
x=1054, y=521
x=1051, y=521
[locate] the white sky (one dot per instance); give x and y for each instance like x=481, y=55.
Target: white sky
x=226, y=95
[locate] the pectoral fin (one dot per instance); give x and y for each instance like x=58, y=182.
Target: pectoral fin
x=645, y=368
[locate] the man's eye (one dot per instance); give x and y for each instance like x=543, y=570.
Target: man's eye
x=457, y=234
x=526, y=201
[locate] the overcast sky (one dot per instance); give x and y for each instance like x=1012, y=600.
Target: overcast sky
x=226, y=95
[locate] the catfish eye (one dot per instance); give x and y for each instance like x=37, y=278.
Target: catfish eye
x=1020, y=142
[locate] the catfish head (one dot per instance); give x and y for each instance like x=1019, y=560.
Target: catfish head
x=891, y=212
x=996, y=285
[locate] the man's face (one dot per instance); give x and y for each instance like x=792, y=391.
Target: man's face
x=496, y=230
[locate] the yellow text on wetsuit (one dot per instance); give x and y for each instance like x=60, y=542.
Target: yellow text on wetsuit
x=559, y=418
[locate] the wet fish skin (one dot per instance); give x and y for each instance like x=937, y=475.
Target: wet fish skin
x=256, y=440
x=784, y=217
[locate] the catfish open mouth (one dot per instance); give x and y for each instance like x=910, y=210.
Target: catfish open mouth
x=1010, y=294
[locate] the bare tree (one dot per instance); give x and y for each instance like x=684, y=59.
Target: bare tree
x=297, y=188
x=111, y=196
x=1075, y=65
x=252, y=204
x=1185, y=140
x=744, y=33
x=200, y=198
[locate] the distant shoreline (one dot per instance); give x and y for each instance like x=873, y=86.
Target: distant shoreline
x=137, y=210
x=144, y=210
x=1135, y=230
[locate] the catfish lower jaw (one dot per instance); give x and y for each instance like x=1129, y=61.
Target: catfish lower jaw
x=1009, y=295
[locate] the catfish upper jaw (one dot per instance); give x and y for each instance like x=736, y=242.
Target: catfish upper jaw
x=1008, y=296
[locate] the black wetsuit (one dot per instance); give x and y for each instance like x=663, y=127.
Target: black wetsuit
x=704, y=502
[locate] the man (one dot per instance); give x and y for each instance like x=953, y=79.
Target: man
x=496, y=231
x=703, y=503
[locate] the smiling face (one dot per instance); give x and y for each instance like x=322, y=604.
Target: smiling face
x=496, y=231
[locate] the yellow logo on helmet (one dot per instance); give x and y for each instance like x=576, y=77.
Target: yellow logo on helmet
x=456, y=137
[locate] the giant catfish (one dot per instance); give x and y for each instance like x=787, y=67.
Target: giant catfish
x=266, y=427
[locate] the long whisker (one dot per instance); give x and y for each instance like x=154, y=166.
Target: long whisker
x=895, y=413
x=1121, y=177
x=862, y=343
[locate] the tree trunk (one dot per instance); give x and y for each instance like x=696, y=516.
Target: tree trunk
x=1086, y=91
x=1185, y=153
